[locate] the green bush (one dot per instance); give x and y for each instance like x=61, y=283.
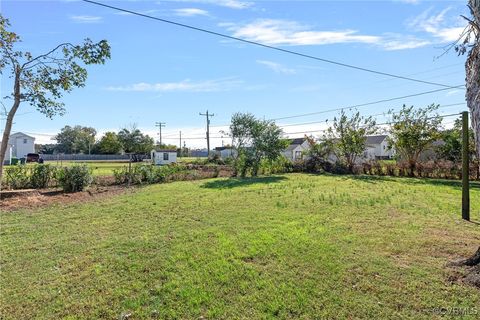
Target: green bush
x=17, y=177
x=134, y=175
x=74, y=178
x=279, y=165
x=147, y=174
x=42, y=175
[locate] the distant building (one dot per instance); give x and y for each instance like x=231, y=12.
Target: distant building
x=377, y=148
x=20, y=144
x=199, y=153
x=164, y=156
x=296, y=149
x=225, y=152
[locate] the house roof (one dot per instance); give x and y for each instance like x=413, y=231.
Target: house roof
x=21, y=134
x=297, y=141
x=223, y=148
x=292, y=147
x=375, y=139
x=165, y=150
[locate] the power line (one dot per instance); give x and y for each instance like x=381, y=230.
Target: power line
x=378, y=124
x=346, y=65
x=314, y=122
x=368, y=103
x=358, y=105
x=324, y=130
x=372, y=115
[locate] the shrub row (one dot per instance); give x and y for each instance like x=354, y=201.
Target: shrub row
x=432, y=169
x=146, y=174
x=71, y=179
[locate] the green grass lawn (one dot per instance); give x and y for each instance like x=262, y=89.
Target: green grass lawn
x=292, y=246
x=99, y=168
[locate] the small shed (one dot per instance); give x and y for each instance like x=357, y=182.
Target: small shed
x=225, y=152
x=164, y=156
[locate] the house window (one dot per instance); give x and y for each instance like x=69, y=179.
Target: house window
x=25, y=141
x=298, y=154
x=165, y=156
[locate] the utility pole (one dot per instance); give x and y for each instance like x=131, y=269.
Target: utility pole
x=160, y=125
x=465, y=169
x=208, y=115
x=180, y=145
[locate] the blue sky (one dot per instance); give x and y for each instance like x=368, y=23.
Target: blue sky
x=160, y=72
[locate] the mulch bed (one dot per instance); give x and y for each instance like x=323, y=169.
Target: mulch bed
x=103, y=186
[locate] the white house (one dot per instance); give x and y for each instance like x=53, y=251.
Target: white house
x=225, y=152
x=164, y=156
x=20, y=144
x=8, y=154
x=296, y=148
x=377, y=148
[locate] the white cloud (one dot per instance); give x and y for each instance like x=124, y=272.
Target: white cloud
x=285, y=32
x=86, y=19
x=453, y=92
x=393, y=42
x=190, y=12
x=438, y=25
x=276, y=67
x=187, y=85
x=232, y=4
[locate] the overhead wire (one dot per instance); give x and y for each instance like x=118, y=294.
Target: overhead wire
x=304, y=55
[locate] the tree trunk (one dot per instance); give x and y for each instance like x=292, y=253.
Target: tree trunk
x=473, y=260
x=472, y=68
x=9, y=122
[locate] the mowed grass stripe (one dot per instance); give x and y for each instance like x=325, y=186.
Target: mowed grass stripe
x=291, y=246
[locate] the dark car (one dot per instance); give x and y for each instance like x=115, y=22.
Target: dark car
x=33, y=157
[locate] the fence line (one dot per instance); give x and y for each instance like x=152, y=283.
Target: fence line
x=84, y=157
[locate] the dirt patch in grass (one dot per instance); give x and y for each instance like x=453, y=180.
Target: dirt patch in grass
x=467, y=275
x=46, y=197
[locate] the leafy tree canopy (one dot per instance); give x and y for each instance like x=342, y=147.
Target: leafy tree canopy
x=413, y=130
x=255, y=140
x=347, y=136
x=75, y=139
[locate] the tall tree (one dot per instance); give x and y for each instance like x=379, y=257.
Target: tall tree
x=109, y=144
x=49, y=148
x=471, y=46
x=42, y=80
x=255, y=139
x=75, y=139
x=348, y=135
x=414, y=131
x=134, y=141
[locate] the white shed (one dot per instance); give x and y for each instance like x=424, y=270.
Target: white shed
x=225, y=152
x=164, y=156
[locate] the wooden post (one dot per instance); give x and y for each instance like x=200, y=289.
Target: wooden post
x=465, y=169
